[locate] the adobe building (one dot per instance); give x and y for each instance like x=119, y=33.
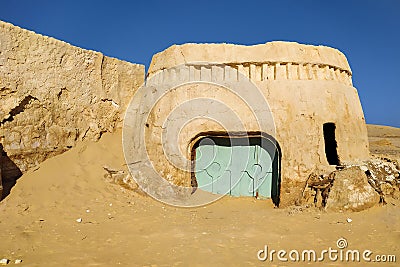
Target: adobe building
x=220, y=118
x=245, y=120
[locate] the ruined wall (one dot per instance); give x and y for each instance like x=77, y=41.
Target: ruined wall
x=305, y=86
x=53, y=95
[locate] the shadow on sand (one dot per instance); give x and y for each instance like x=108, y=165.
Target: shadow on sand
x=9, y=174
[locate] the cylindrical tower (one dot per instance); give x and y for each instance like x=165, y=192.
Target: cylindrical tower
x=316, y=112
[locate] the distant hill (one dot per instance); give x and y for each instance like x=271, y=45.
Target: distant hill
x=384, y=140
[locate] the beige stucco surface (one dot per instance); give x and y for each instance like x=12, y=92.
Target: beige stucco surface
x=274, y=52
x=52, y=95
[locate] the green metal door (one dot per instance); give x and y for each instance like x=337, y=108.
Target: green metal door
x=235, y=170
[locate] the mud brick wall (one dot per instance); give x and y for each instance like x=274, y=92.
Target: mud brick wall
x=53, y=95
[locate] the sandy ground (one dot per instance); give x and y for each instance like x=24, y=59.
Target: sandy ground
x=384, y=140
x=121, y=227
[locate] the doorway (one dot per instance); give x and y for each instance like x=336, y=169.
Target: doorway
x=237, y=166
x=330, y=143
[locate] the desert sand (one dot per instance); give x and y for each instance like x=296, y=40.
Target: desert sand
x=65, y=213
x=384, y=140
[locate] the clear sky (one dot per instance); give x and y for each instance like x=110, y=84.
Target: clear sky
x=366, y=31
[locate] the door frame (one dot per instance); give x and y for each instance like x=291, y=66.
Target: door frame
x=276, y=157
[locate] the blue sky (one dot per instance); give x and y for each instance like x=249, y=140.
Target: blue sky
x=367, y=32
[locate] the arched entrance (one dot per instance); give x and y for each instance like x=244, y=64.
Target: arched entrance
x=238, y=165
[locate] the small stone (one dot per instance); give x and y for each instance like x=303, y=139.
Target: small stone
x=87, y=211
x=390, y=178
x=110, y=204
x=79, y=220
x=349, y=220
x=364, y=168
x=4, y=261
x=17, y=261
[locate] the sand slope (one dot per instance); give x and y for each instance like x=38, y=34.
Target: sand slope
x=120, y=227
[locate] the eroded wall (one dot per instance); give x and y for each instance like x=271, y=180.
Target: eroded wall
x=53, y=95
